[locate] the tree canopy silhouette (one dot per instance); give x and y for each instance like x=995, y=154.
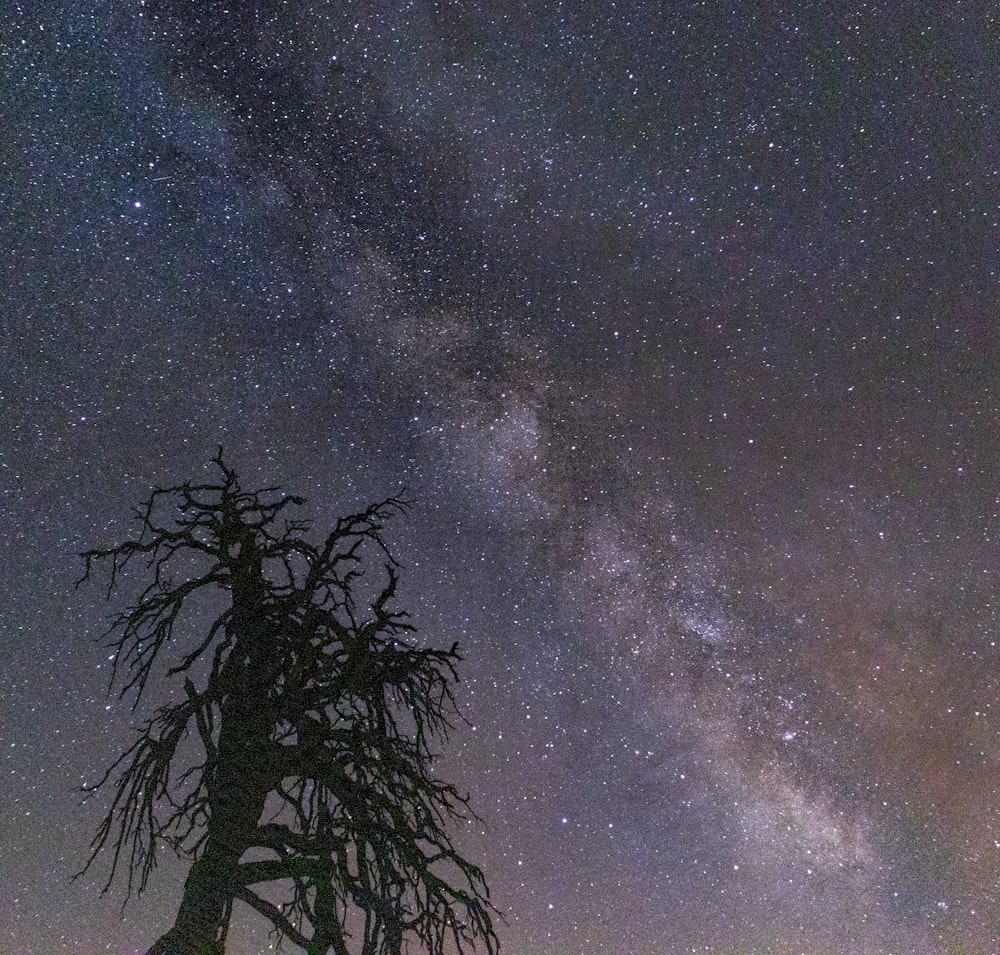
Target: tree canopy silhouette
x=297, y=760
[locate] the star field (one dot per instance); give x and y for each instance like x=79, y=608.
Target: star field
x=677, y=321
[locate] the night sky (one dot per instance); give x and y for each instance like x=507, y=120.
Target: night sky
x=678, y=321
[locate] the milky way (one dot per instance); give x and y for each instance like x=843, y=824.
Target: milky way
x=676, y=321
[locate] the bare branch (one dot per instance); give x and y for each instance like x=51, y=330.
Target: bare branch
x=305, y=698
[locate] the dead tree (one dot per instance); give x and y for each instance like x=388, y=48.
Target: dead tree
x=299, y=754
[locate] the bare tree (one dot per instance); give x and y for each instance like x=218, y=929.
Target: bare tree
x=297, y=763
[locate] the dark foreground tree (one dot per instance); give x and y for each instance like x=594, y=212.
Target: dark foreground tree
x=294, y=766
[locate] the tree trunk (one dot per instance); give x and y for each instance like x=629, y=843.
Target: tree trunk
x=242, y=778
x=203, y=917
x=237, y=801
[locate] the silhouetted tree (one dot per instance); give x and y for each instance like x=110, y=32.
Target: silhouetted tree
x=299, y=754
